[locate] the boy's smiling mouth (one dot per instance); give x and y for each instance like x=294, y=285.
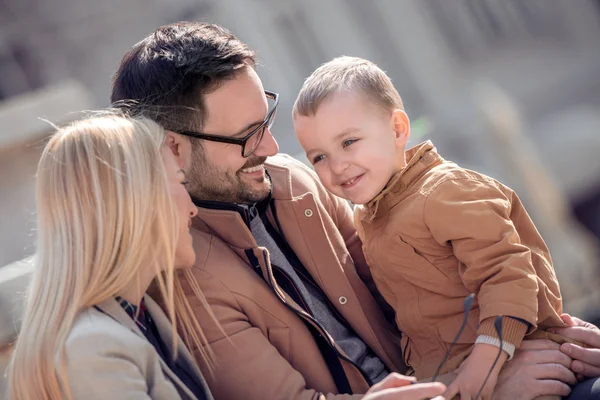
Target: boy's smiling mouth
x=351, y=182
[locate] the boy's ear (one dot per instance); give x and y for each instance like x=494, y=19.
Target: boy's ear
x=401, y=125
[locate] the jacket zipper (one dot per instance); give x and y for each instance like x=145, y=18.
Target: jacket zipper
x=369, y=382
x=310, y=318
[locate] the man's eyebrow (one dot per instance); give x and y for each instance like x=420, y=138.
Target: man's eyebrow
x=248, y=127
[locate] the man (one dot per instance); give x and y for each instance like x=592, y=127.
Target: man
x=278, y=259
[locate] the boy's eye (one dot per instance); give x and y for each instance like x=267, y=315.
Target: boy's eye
x=318, y=158
x=348, y=142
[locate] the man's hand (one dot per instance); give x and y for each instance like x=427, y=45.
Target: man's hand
x=537, y=369
x=586, y=361
x=473, y=371
x=400, y=387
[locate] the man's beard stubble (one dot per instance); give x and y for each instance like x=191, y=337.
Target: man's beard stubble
x=206, y=182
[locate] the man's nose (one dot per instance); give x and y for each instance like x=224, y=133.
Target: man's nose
x=268, y=145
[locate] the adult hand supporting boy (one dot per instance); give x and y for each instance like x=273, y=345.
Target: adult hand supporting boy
x=538, y=368
x=586, y=361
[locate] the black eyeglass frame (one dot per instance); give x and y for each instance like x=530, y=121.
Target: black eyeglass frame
x=242, y=141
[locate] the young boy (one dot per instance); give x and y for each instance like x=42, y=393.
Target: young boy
x=432, y=231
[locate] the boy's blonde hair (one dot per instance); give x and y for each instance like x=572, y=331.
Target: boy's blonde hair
x=104, y=214
x=346, y=74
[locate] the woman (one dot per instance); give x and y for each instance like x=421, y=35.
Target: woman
x=113, y=215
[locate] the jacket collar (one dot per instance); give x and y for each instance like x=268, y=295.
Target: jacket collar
x=165, y=329
x=230, y=221
x=113, y=309
x=421, y=158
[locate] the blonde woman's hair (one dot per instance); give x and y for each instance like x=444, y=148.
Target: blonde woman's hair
x=346, y=74
x=104, y=213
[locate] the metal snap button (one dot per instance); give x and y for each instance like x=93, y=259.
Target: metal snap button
x=308, y=212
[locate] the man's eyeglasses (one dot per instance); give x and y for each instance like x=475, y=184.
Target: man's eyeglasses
x=249, y=142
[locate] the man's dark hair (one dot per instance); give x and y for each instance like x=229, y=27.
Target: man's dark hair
x=167, y=74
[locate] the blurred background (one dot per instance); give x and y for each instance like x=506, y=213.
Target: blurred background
x=510, y=88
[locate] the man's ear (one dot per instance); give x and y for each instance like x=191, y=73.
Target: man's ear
x=175, y=142
x=401, y=125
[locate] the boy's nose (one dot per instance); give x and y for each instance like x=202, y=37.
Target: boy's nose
x=338, y=165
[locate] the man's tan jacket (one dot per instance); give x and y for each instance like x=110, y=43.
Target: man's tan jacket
x=263, y=347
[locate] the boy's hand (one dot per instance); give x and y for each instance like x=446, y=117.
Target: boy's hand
x=473, y=371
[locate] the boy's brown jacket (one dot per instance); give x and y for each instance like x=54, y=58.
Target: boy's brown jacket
x=438, y=232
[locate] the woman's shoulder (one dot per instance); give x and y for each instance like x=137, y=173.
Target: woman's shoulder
x=104, y=359
x=94, y=332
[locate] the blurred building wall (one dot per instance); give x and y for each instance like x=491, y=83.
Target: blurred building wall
x=543, y=53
